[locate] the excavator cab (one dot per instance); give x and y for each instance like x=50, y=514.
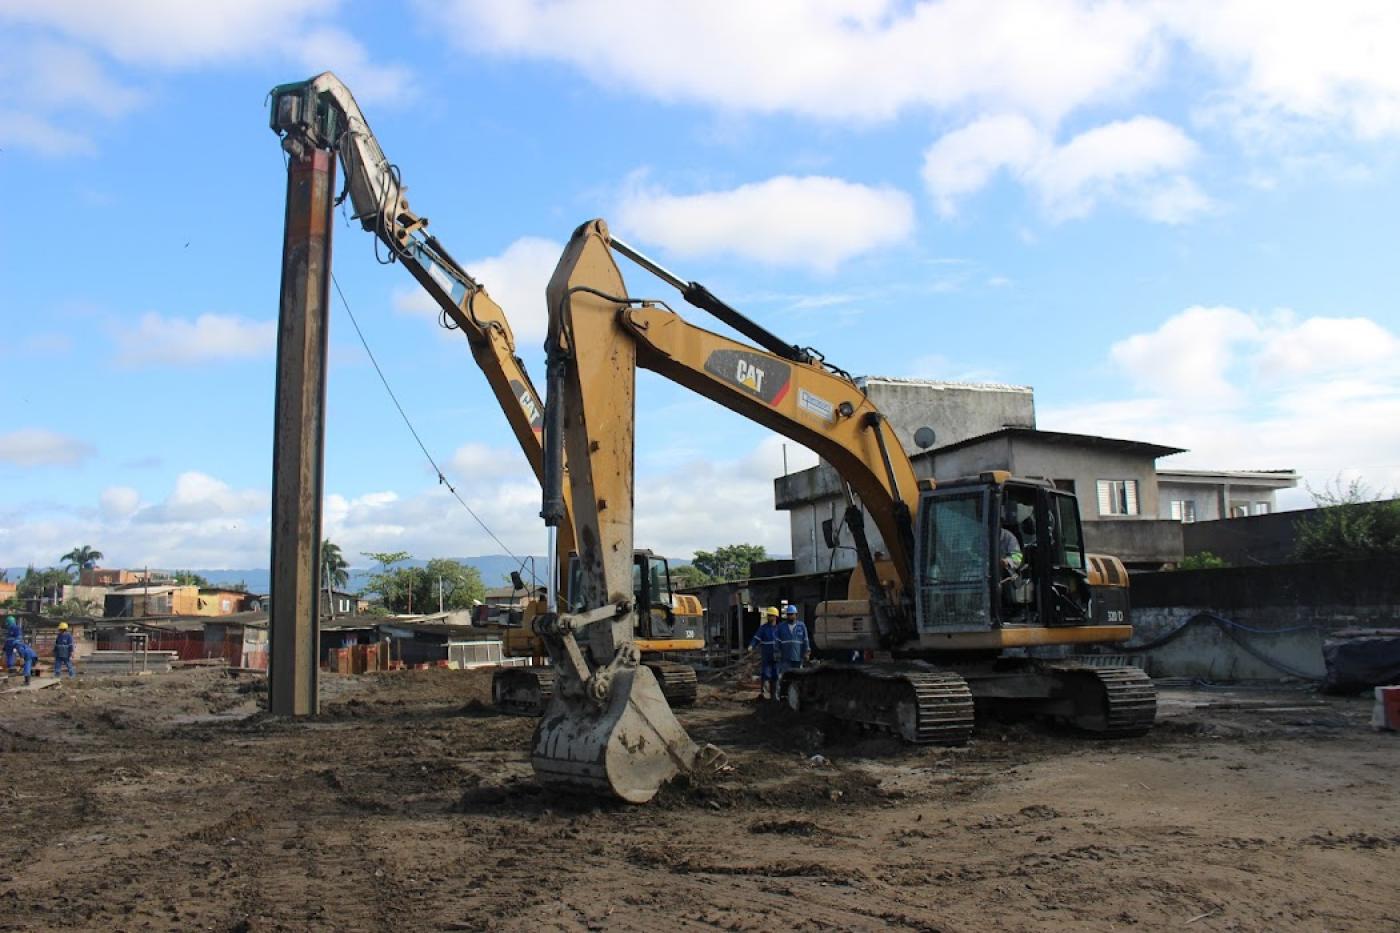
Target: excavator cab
x=657, y=619
x=997, y=552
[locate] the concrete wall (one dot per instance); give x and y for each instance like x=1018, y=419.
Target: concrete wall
x=1291, y=607
x=1135, y=542
x=1244, y=542
x=955, y=411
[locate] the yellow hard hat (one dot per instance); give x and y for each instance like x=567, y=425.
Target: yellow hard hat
x=63, y=626
x=771, y=612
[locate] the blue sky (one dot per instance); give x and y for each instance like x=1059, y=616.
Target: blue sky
x=1177, y=222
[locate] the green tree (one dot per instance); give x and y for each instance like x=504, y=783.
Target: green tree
x=74, y=608
x=386, y=559
x=1202, y=560
x=189, y=578
x=81, y=558
x=730, y=562
x=44, y=583
x=417, y=589
x=1350, y=522
x=334, y=567
x=687, y=575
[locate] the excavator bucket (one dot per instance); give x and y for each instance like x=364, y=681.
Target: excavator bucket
x=627, y=746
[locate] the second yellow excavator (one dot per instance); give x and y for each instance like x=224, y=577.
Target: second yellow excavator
x=324, y=111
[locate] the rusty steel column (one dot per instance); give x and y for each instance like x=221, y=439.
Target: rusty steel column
x=299, y=434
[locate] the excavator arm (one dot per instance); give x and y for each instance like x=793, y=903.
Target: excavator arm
x=780, y=386
x=322, y=113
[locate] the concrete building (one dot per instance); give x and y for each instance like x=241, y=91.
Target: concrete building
x=140, y=600
x=104, y=576
x=951, y=411
x=1126, y=508
x=344, y=603
x=1207, y=495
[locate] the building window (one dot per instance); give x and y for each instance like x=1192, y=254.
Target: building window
x=1118, y=497
x=1183, y=510
x=1261, y=508
x=1065, y=485
x=1239, y=510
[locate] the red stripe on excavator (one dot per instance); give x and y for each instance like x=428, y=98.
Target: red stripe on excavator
x=782, y=394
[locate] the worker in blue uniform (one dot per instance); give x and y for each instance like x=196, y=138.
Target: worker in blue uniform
x=28, y=656
x=794, y=647
x=766, y=641
x=12, y=642
x=63, y=651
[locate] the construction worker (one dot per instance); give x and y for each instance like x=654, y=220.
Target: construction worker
x=28, y=656
x=794, y=645
x=13, y=639
x=63, y=651
x=766, y=640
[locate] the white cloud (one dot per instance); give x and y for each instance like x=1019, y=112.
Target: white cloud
x=203, y=522
x=119, y=502
x=962, y=162
x=695, y=502
x=1331, y=63
x=868, y=60
x=201, y=497
x=706, y=503
x=1190, y=355
x=181, y=341
x=811, y=221
x=1259, y=391
x=1321, y=345
x=474, y=462
x=170, y=33
x=1138, y=162
x=331, y=49
x=515, y=279
x=22, y=130
x=855, y=60
x=54, y=76
x=35, y=447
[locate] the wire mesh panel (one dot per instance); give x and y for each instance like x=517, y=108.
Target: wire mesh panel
x=954, y=592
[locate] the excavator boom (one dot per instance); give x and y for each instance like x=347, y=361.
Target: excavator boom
x=321, y=112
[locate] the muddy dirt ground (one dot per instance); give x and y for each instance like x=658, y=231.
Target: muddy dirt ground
x=171, y=802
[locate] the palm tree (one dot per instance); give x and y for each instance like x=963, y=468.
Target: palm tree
x=82, y=558
x=333, y=564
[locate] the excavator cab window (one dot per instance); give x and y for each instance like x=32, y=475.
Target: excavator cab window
x=954, y=560
x=1067, y=598
x=651, y=589
x=1021, y=551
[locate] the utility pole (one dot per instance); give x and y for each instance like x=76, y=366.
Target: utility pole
x=299, y=417
x=439, y=593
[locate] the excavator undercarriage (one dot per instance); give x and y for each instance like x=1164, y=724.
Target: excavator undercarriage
x=924, y=703
x=526, y=691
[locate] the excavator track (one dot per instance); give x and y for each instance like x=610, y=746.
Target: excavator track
x=522, y=691
x=926, y=707
x=677, y=681
x=1112, y=702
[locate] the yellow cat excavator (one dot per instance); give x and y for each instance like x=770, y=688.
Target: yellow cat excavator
x=322, y=112
x=954, y=625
